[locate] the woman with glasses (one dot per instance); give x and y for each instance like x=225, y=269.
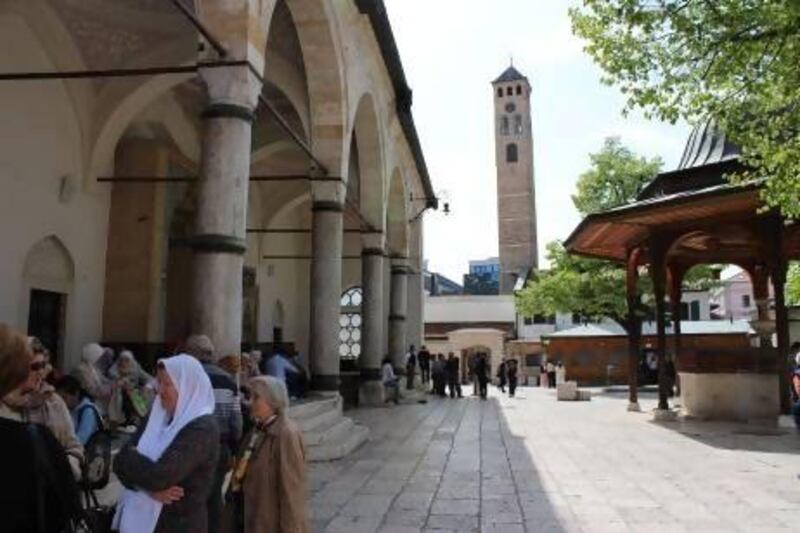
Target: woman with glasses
x=38, y=492
x=44, y=406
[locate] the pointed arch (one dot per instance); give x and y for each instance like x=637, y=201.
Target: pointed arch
x=367, y=135
x=397, y=216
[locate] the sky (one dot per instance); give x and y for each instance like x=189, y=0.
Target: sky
x=451, y=52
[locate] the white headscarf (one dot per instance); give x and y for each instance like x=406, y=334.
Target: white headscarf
x=137, y=512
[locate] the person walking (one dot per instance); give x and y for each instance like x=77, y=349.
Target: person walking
x=439, y=372
x=424, y=358
x=482, y=375
x=168, y=466
x=452, y=371
x=551, y=375
x=511, y=370
x=391, y=385
x=38, y=493
x=268, y=484
x=501, y=377
x=411, y=367
x=228, y=413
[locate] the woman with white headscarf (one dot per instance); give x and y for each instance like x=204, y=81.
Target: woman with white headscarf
x=91, y=378
x=167, y=468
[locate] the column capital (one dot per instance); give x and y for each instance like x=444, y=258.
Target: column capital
x=328, y=190
x=373, y=241
x=235, y=88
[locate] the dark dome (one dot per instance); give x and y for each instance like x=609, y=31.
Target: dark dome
x=707, y=145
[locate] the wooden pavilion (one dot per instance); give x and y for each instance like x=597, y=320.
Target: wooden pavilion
x=693, y=216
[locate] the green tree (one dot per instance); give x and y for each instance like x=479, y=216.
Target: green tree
x=590, y=288
x=616, y=178
x=793, y=285
x=733, y=61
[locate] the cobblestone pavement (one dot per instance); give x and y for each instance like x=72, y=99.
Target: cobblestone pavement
x=533, y=464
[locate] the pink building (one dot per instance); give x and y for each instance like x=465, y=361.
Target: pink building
x=735, y=301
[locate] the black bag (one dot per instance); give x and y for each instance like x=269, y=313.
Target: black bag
x=96, y=518
x=97, y=454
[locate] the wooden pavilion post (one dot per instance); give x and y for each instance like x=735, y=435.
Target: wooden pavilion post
x=658, y=272
x=634, y=327
x=676, y=274
x=778, y=267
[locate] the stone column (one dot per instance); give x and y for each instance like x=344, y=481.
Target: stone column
x=397, y=318
x=372, y=266
x=219, y=238
x=326, y=284
x=414, y=327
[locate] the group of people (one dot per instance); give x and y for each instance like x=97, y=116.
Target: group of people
x=795, y=388
x=213, y=451
x=552, y=374
x=507, y=374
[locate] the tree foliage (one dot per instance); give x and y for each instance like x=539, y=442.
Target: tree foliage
x=616, y=178
x=733, y=61
x=793, y=285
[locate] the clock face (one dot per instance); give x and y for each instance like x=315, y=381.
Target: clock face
x=510, y=108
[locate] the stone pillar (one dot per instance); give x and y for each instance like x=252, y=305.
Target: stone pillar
x=372, y=266
x=397, y=318
x=414, y=333
x=326, y=284
x=219, y=238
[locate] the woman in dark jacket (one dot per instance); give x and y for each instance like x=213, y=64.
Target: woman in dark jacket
x=167, y=468
x=38, y=493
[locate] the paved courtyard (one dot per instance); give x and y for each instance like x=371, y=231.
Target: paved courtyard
x=534, y=464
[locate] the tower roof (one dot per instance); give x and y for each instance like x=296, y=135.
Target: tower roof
x=511, y=74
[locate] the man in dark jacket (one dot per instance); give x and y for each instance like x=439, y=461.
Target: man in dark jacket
x=482, y=375
x=424, y=359
x=228, y=413
x=452, y=370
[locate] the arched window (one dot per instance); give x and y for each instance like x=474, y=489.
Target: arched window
x=504, y=125
x=509, y=91
x=350, y=324
x=519, y=89
x=518, y=128
x=512, y=153
x=500, y=92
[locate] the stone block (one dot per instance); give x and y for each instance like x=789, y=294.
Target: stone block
x=567, y=391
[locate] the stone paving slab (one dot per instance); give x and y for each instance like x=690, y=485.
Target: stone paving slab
x=534, y=464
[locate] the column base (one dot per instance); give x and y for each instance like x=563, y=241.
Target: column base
x=633, y=407
x=325, y=383
x=371, y=394
x=665, y=415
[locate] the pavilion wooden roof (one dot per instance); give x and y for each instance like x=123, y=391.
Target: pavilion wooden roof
x=715, y=224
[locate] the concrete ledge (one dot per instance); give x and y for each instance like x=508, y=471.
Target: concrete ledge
x=736, y=397
x=665, y=415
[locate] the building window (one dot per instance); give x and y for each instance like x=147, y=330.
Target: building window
x=500, y=93
x=504, y=125
x=746, y=301
x=518, y=129
x=512, y=153
x=542, y=319
x=509, y=91
x=519, y=89
x=528, y=321
x=350, y=324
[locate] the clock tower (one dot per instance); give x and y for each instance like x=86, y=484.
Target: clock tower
x=516, y=193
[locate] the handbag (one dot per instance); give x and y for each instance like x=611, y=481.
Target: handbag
x=96, y=518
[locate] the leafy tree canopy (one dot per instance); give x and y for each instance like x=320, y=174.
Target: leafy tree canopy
x=793, y=285
x=733, y=61
x=616, y=178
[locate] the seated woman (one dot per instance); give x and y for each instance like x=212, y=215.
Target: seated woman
x=86, y=417
x=269, y=478
x=132, y=391
x=167, y=467
x=38, y=493
x=90, y=374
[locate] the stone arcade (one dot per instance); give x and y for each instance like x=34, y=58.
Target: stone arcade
x=148, y=190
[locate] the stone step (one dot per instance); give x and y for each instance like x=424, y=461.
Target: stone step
x=319, y=422
x=337, y=432
x=331, y=451
x=314, y=406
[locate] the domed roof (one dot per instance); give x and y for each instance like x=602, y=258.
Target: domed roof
x=707, y=145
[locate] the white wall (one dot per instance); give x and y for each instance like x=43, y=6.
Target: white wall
x=469, y=308
x=39, y=144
